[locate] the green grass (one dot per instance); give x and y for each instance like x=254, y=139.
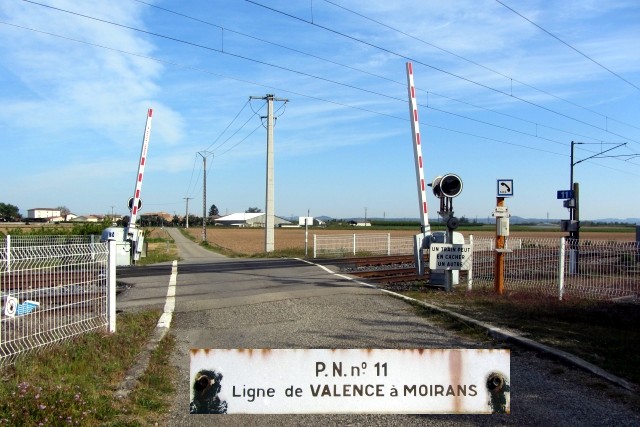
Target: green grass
x=160, y=249
x=73, y=383
x=601, y=332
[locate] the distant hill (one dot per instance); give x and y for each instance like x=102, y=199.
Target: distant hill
x=491, y=220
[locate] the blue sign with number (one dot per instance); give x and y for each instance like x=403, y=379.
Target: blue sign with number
x=565, y=194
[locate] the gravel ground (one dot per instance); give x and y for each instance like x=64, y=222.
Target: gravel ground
x=543, y=392
x=341, y=314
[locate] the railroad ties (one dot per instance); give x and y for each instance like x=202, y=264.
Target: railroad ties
x=394, y=269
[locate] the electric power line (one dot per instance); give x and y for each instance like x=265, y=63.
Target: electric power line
x=284, y=90
x=279, y=89
x=568, y=45
x=191, y=179
x=228, y=126
x=322, y=78
x=417, y=61
x=470, y=61
x=403, y=83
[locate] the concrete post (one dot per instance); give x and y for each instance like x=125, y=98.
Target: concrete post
x=270, y=205
x=498, y=274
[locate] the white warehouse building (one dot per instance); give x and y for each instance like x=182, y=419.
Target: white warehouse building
x=249, y=219
x=40, y=213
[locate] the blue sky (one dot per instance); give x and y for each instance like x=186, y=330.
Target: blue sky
x=499, y=98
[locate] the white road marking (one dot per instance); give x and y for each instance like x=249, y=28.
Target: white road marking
x=170, y=303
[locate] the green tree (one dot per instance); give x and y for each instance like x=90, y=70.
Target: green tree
x=253, y=210
x=194, y=220
x=9, y=212
x=213, y=210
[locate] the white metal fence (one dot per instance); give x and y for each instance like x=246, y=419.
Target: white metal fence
x=53, y=288
x=559, y=267
x=361, y=245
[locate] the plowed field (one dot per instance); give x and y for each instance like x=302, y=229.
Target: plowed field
x=251, y=240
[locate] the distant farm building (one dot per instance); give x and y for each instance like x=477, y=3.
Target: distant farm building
x=43, y=213
x=88, y=218
x=310, y=221
x=249, y=219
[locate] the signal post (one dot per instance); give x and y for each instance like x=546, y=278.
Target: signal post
x=504, y=189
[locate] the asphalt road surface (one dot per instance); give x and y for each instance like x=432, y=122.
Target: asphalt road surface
x=284, y=303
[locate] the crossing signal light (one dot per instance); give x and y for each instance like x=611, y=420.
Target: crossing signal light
x=449, y=185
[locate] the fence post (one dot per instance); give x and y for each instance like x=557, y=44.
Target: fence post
x=388, y=244
x=315, y=245
x=561, y=269
x=470, y=271
x=111, y=282
x=354, y=244
x=8, y=253
x=637, y=242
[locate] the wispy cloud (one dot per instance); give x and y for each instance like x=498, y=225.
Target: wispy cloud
x=77, y=85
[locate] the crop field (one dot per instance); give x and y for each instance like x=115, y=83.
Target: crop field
x=250, y=241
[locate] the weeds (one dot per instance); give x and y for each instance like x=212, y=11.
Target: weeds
x=73, y=383
x=601, y=332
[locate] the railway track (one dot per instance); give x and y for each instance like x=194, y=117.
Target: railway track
x=394, y=269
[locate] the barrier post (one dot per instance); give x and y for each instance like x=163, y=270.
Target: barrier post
x=111, y=282
x=561, y=268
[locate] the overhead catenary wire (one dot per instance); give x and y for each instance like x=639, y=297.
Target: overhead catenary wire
x=329, y=80
x=263, y=40
x=322, y=78
x=163, y=61
x=403, y=83
x=417, y=61
x=485, y=67
x=569, y=46
x=289, y=91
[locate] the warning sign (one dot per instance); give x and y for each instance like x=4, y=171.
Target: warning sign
x=369, y=381
x=449, y=256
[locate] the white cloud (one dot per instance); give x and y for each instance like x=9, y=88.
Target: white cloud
x=83, y=85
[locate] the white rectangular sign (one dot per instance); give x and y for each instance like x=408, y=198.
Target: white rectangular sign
x=450, y=256
x=319, y=381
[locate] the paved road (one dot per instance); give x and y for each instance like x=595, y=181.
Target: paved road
x=283, y=303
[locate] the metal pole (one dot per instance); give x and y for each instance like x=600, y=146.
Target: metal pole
x=306, y=233
x=576, y=209
x=576, y=217
x=448, y=274
x=111, y=282
x=204, y=199
x=470, y=272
